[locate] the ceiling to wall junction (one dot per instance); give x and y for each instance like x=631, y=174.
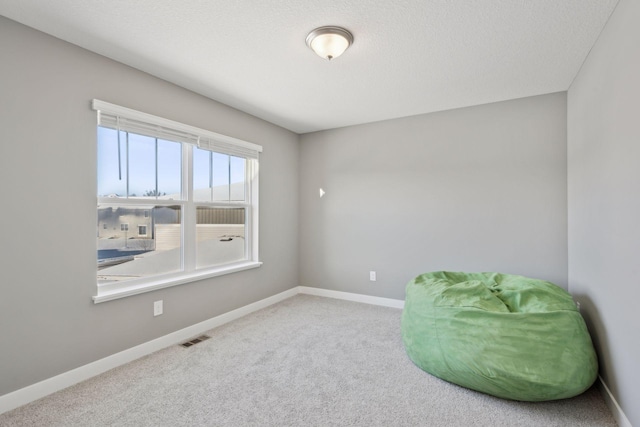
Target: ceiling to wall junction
x=409, y=57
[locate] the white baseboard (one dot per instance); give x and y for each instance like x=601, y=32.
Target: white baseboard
x=611, y=402
x=43, y=388
x=367, y=299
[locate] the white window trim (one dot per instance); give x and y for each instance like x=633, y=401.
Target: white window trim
x=189, y=136
x=166, y=281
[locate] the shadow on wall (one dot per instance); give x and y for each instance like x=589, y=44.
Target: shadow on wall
x=598, y=333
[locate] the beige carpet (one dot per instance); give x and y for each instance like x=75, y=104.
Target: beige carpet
x=307, y=361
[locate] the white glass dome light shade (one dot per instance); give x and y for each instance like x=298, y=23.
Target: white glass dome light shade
x=329, y=46
x=329, y=42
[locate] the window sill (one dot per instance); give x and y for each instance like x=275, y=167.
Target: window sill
x=135, y=289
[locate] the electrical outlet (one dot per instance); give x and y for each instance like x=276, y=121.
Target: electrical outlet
x=372, y=276
x=157, y=308
x=578, y=305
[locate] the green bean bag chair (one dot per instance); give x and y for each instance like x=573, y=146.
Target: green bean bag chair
x=509, y=336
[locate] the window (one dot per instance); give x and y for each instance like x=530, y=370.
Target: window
x=191, y=192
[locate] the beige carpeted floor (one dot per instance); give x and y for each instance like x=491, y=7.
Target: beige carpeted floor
x=307, y=361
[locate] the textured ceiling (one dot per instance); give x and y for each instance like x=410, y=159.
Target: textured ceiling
x=409, y=56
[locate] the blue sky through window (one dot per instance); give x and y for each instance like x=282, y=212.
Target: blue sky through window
x=210, y=168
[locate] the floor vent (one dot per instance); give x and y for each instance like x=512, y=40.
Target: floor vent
x=195, y=341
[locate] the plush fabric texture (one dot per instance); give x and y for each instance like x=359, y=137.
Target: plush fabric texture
x=509, y=336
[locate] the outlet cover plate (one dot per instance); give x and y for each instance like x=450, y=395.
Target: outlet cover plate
x=157, y=308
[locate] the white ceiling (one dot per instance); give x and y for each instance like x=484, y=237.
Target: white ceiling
x=409, y=56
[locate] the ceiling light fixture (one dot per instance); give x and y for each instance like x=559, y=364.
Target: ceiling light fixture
x=329, y=42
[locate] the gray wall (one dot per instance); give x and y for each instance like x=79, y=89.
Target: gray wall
x=604, y=201
x=48, y=322
x=473, y=189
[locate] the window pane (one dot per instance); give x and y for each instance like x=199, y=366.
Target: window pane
x=112, y=165
x=220, y=177
x=142, y=165
x=202, y=178
x=237, y=174
x=220, y=236
x=125, y=253
x=169, y=169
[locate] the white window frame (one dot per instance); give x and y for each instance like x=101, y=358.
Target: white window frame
x=190, y=137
